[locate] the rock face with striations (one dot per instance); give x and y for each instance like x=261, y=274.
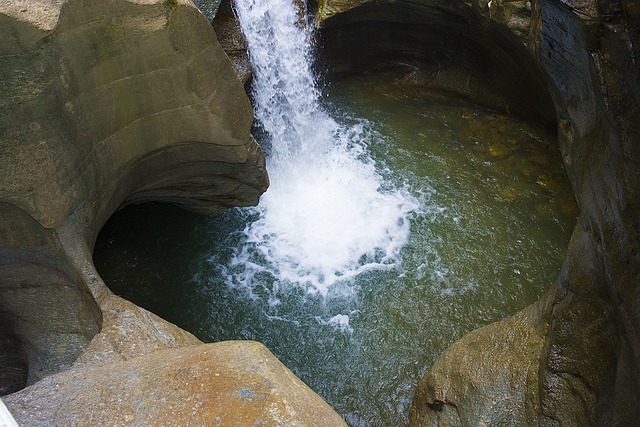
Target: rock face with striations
x=572, y=358
x=104, y=104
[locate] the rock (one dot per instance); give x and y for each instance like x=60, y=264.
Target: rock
x=147, y=93
x=509, y=194
x=130, y=331
x=329, y=8
x=45, y=307
x=452, y=46
x=234, y=383
x=487, y=378
x=104, y=104
x=499, y=150
x=209, y=8
x=548, y=182
x=582, y=364
x=14, y=362
x=232, y=40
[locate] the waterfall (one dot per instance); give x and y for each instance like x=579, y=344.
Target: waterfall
x=328, y=215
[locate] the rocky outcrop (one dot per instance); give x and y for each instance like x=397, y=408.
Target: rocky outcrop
x=223, y=384
x=232, y=40
x=572, y=358
x=104, y=104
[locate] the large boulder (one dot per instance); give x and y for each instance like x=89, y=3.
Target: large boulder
x=223, y=384
x=109, y=103
x=573, y=358
x=104, y=105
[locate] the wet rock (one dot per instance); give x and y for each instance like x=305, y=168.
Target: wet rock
x=547, y=182
x=232, y=40
x=13, y=376
x=45, y=308
x=509, y=195
x=487, y=378
x=583, y=368
x=569, y=209
x=452, y=48
x=499, y=150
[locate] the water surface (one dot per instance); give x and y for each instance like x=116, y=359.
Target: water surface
x=488, y=214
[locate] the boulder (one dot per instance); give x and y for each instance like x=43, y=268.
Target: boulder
x=105, y=105
x=233, y=383
x=232, y=40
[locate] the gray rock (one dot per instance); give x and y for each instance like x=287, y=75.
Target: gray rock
x=573, y=358
x=104, y=104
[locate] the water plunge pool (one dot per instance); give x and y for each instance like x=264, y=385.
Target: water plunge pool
x=487, y=235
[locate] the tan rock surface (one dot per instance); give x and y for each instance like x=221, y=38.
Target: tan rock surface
x=103, y=104
x=234, y=383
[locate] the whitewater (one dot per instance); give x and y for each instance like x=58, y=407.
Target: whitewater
x=328, y=215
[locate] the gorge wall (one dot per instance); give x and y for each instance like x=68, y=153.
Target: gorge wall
x=105, y=104
x=572, y=358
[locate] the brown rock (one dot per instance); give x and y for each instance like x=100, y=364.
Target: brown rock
x=234, y=383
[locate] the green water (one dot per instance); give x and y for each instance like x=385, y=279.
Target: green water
x=489, y=240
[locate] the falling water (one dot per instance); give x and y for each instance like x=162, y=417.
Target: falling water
x=328, y=215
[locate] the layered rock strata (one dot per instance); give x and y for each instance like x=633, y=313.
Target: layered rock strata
x=104, y=104
x=573, y=357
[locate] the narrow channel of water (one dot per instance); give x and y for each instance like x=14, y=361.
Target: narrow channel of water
x=396, y=222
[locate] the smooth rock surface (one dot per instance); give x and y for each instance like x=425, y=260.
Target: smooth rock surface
x=232, y=40
x=104, y=104
x=233, y=383
x=573, y=358
x=448, y=47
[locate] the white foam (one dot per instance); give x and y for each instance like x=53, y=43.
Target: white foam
x=339, y=322
x=325, y=217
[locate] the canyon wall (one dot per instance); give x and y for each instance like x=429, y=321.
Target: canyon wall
x=105, y=104
x=572, y=358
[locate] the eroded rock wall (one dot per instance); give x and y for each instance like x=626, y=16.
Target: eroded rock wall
x=448, y=47
x=112, y=94
x=572, y=358
x=104, y=104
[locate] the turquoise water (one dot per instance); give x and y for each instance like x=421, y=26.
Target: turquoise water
x=487, y=238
